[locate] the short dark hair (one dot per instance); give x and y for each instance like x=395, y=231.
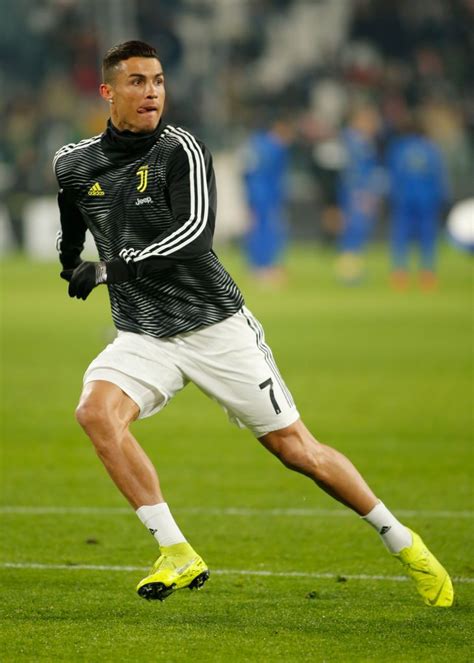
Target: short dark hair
x=129, y=49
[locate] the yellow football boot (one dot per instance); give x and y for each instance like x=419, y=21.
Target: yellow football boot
x=177, y=567
x=431, y=579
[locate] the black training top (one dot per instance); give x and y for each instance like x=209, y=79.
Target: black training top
x=149, y=199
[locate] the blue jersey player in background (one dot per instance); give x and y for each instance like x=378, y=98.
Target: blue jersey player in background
x=359, y=190
x=418, y=192
x=265, y=180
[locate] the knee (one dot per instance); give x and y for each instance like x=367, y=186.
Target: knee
x=94, y=417
x=100, y=426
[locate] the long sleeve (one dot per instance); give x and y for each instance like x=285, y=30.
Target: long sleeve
x=71, y=237
x=191, y=195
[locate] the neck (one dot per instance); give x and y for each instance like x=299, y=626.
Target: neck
x=122, y=127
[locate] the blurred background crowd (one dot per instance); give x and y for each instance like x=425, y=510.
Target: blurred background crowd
x=331, y=92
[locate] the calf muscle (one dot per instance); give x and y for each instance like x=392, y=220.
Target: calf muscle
x=331, y=470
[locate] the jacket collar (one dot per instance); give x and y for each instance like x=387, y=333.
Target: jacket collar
x=126, y=146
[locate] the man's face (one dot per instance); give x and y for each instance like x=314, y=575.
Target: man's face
x=136, y=94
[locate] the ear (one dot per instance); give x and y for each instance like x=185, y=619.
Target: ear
x=106, y=92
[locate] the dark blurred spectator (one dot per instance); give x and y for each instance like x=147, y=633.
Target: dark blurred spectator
x=418, y=192
x=157, y=26
x=19, y=154
x=380, y=23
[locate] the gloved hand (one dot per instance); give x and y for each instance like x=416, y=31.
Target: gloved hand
x=66, y=274
x=86, y=276
x=68, y=271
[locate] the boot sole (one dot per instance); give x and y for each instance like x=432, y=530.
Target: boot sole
x=158, y=591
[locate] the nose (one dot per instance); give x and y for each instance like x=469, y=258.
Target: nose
x=151, y=91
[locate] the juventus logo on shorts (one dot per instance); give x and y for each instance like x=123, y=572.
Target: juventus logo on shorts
x=142, y=173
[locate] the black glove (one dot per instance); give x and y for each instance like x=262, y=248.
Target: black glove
x=66, y=274
x=85, y=278
x=88, y=275
x=68, y=271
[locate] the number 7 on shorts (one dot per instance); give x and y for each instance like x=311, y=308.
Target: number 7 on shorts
x=269, y=383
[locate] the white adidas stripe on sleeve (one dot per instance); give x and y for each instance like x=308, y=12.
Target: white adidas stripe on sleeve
x=71, y=147
x=199, y=201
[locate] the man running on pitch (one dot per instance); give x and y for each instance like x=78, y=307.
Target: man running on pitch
x=146, y=191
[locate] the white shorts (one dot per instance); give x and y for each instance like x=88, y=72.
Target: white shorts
x=228, y=361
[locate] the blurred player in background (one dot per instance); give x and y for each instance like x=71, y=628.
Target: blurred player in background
x=266, y=158
x=360, y=188
x=418, y=193
x=146, y=191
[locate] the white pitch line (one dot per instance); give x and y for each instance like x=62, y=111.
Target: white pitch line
x=225, y=511
x=219, y=572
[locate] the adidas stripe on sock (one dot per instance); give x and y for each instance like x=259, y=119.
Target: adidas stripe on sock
x=394, y=535
x=158, y=519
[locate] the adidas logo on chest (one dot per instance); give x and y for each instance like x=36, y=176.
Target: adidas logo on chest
x=96, y=190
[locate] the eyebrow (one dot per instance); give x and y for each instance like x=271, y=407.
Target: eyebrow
x=144, y=76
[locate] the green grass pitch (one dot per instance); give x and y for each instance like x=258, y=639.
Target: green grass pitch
x=385, y=377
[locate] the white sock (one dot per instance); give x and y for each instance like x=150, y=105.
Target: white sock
x=158, y=519
x=394, y=535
